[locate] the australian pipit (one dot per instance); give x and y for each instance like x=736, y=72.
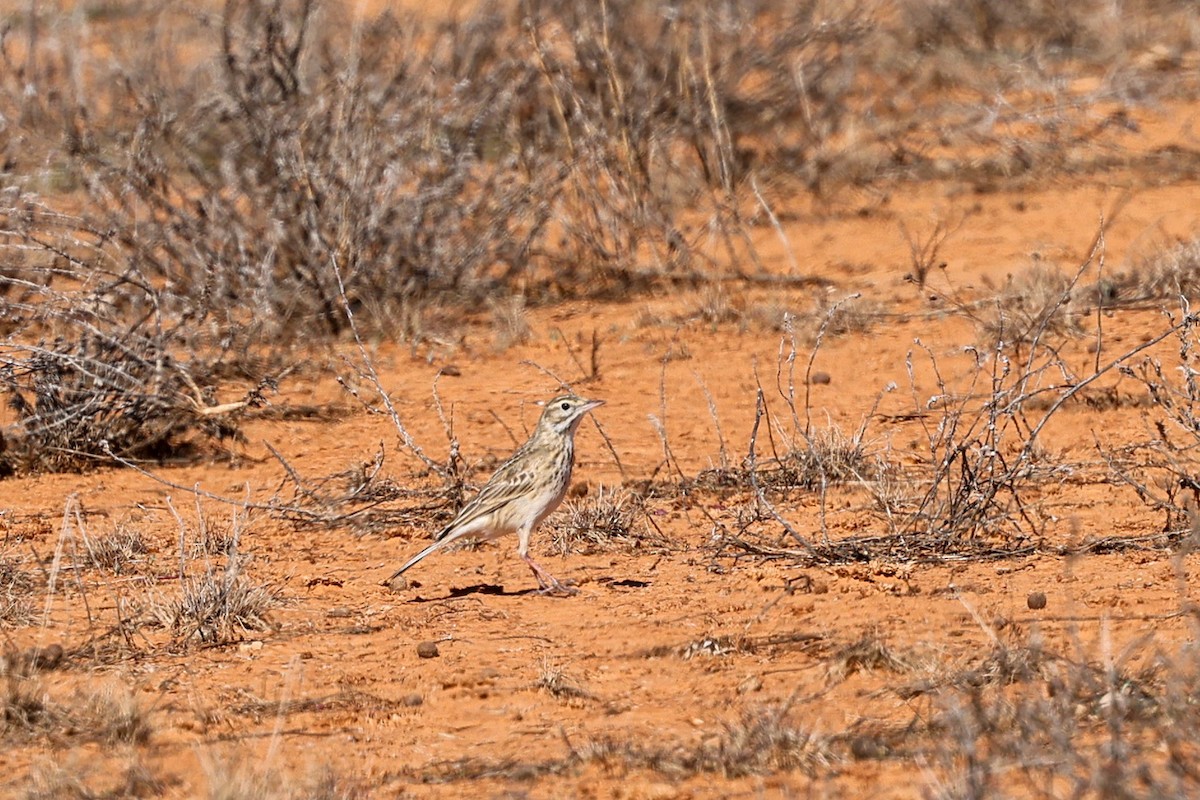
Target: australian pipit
x=524, y=490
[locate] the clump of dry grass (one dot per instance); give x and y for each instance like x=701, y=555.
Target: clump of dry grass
x=107, y=715
x=761, y=741
x=1042, y=719
x=827, y=456
x=510, y=325
x=869, y=652
x=235, y=777
x=561, y=686
x=120, y=551
x=1038, y=302
x=16, y=587
x=217, y=606
x=603, y=520
x=55, y=780
x=1171, y=273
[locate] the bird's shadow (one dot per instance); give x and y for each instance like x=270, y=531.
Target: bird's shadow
x=478, y=588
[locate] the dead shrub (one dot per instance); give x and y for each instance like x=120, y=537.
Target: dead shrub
x=1102, y=728
x=1163, y=470
x=93, y=366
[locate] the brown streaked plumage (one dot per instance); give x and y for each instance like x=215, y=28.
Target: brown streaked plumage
x=524, y=490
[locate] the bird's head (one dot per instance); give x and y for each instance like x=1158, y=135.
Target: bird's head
x=564, y=413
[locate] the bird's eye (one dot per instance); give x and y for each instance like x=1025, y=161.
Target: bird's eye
x=566, y=406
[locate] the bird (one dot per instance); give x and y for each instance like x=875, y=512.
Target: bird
x=523, y=491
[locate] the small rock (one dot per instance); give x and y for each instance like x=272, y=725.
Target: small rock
x=340, y=612
x=820, y=379
x=428, y=650
x=397, y=584
x=249, y=647
x=452, y=370
x=1036, y=600
x=412, y=700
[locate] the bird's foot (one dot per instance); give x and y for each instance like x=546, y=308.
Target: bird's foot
x=547, y=583
x=555, y=587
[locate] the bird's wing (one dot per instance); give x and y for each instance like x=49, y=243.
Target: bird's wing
x=503, y=487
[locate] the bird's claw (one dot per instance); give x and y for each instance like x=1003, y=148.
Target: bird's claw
x=554, y=587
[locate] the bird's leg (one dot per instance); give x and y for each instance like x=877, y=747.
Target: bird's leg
x=547, y=583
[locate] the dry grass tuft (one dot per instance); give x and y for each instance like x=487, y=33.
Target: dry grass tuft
x=1042, y=300
x=561, y=686
x=1169, y=274
x=107, y=715
x=119, y=552
x=828, y=456
x=16, y=587
x=53, y=780
x=218, y=606
x=237, y=777
x=1103, y=727
x=510, y=326
x=602, y=521
x=762, y=741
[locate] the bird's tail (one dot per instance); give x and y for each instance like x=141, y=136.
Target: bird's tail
x=438, y=545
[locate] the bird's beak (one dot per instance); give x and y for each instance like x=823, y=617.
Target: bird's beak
x=589, y=405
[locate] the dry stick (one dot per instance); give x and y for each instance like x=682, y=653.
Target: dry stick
x=516, y=442
x=751, y=464
x=452, y=457
x=574, y=357
x=712, y=412
x=660, y=422
x=779, y=232
x=405, y=437
x=196, y=490
x=1099, y=302
x=295, y=476
x=812, y=357
x=1188, y=320
x=789, y=324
